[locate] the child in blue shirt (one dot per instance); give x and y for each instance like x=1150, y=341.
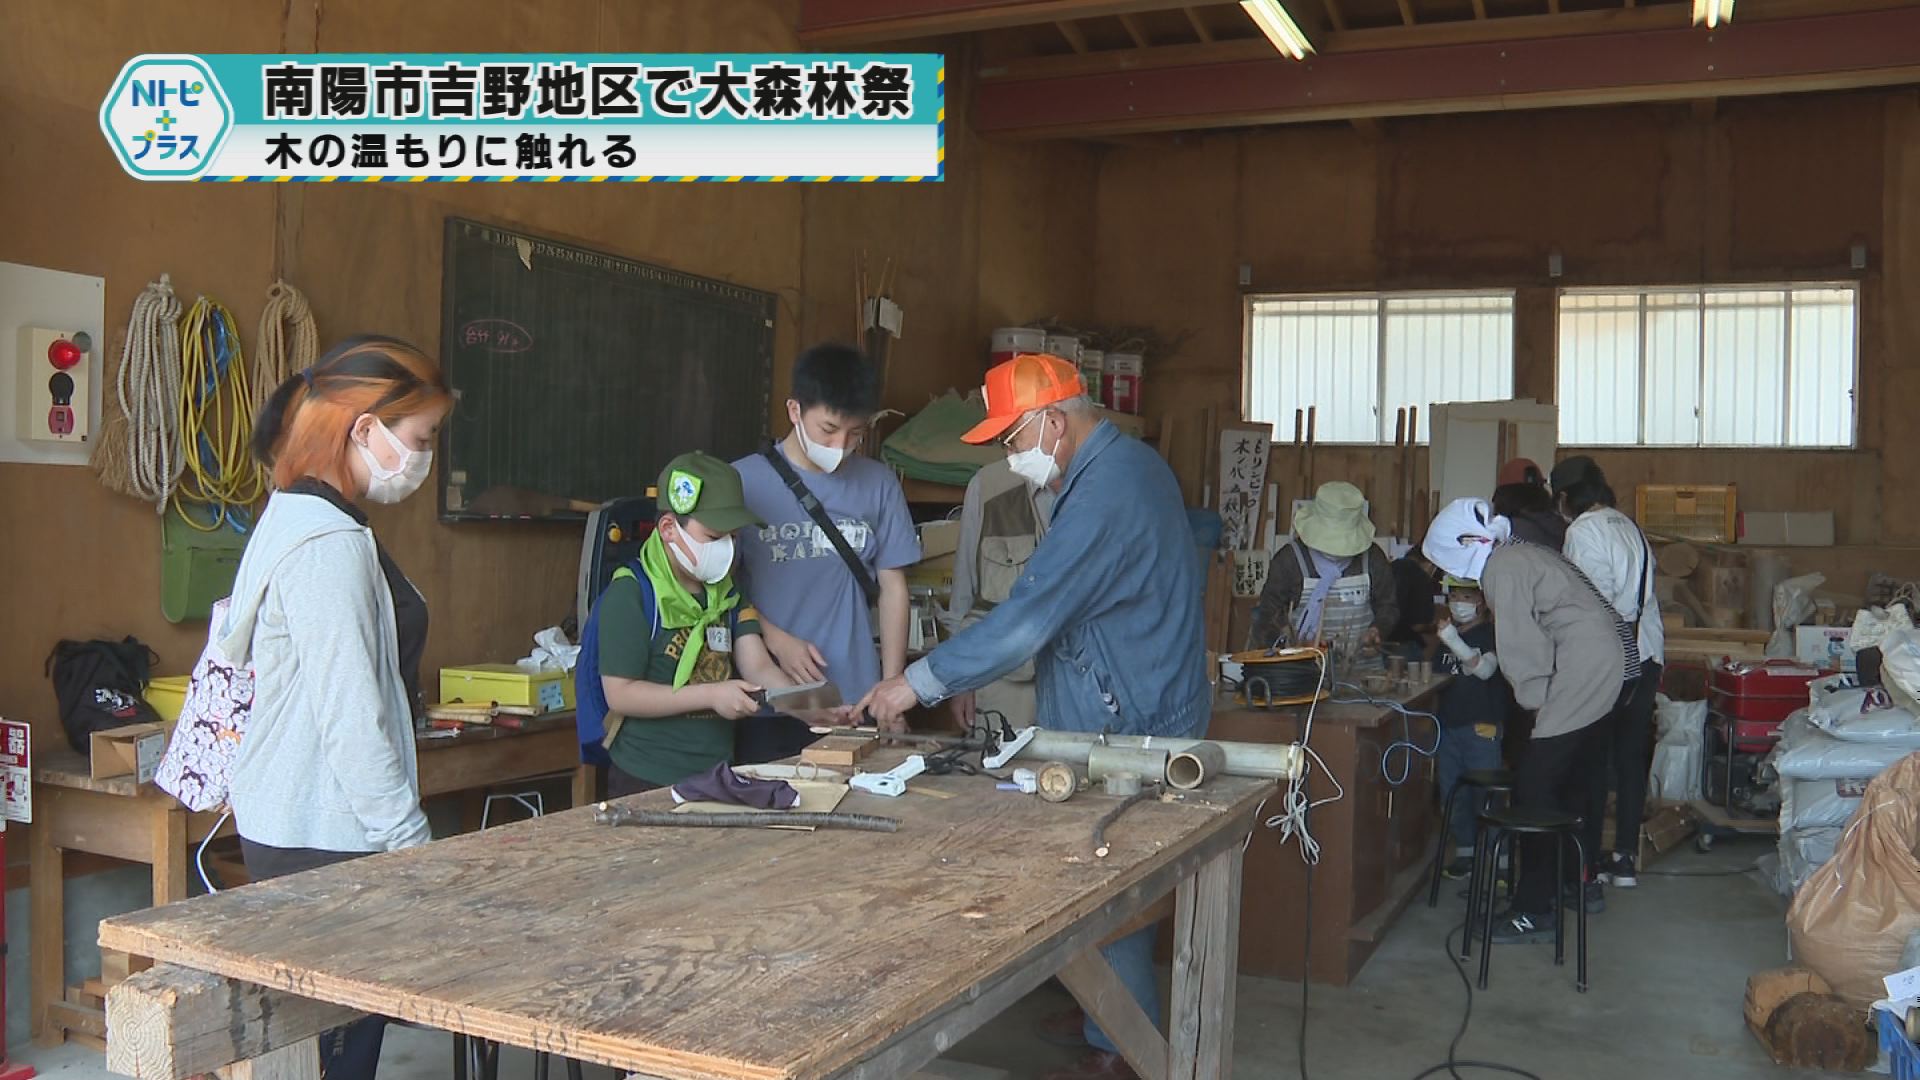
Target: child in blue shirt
x=1472, y=710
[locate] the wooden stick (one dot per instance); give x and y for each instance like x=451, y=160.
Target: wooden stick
x=1399, y=468
x=607, y=814
x=1313, y=423
x=1413, y=441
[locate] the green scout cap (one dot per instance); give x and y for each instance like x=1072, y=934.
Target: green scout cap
x=706, y=489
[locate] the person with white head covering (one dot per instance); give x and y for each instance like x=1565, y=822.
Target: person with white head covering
x=1331, y=583
x=1568, y=657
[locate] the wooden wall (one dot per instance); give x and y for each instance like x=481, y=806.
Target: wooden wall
x=979, y=250
x=1756, y=189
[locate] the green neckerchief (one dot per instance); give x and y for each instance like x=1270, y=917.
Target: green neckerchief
x=677, y=606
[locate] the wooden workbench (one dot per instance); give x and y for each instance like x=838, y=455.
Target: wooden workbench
x=718, y=954
x=116, y=817
x=1374, y=842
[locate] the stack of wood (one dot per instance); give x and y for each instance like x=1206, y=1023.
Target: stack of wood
x=1794, y=1014
x=1702, y=586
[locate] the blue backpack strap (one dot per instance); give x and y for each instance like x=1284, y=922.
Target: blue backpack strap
x=590, y=697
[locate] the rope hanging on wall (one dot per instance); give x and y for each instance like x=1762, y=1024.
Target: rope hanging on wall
x=138, y=453
x=288, y=341
x=216, y=422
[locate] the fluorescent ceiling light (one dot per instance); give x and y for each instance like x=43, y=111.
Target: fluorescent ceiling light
x=1712, y=12
x=1272, y=19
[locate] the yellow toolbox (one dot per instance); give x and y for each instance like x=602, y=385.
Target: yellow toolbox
x=507, y=684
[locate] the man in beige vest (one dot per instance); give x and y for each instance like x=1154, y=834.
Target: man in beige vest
x=1001, y=521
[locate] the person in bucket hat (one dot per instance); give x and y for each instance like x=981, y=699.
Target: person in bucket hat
x=1330, y=583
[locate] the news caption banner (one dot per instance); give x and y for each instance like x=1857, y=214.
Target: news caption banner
x=503, y=118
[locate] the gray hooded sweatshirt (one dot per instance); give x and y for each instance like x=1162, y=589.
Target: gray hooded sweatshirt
x=327, y=761
x=1558, y=643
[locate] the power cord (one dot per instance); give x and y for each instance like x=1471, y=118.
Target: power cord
x=1454, y=1064
x=1405, y=743
x=1296, y=804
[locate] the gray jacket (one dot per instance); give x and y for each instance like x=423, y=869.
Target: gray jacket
x=1558, y=643
x=327, y=760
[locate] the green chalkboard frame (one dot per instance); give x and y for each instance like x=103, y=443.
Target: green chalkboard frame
x=575, y=369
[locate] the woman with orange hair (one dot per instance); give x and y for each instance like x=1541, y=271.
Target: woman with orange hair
x=333, y=629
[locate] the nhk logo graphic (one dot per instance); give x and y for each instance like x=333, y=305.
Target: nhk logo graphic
x=166, y=117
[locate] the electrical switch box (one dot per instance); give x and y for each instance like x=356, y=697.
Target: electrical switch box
x=55, y=370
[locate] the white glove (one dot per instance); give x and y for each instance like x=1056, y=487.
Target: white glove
x=1457, y=645
x=1484, y=667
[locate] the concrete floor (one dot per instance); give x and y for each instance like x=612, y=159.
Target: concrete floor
x=1669, y=963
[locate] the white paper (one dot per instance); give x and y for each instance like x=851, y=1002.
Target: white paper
x=1902, y=985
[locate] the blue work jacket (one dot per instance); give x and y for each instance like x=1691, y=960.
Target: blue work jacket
x=1109, y=608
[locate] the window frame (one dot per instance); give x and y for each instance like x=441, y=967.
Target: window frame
x=1380, y=299
x=1788, y=288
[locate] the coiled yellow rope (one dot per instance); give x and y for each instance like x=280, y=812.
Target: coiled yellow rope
x=216, y=421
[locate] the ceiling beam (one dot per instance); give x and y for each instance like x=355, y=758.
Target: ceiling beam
x=1139, y=36
x=1823, y=52
x=1608, y=21
x=1199, y=25
x=850, y=22
x=1076, y=37
x=1335, y=18
x=1479, y=9
x=1406, y=12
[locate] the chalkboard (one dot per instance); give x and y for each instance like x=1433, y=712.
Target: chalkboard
x=580, y=373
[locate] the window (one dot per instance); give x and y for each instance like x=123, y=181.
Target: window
x=1358, y=360
x=1734, y=366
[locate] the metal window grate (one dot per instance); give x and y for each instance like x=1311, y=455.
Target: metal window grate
x=1748, y=365
x=1358, y=359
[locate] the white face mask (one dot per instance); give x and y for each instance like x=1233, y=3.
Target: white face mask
x=1463, y=612
x=1034, y=465
x=711, y=559
x=828, y=458
x=386, y=485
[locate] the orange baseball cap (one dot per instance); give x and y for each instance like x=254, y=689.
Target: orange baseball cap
x=1020, y=385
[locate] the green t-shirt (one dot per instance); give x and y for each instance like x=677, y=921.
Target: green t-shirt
x=667, y=749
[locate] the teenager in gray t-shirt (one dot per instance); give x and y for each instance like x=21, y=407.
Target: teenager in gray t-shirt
x=821, y=625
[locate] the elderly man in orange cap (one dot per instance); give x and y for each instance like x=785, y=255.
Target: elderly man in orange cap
x=1109, y=611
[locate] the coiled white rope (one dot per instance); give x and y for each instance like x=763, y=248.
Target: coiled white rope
x=145, y=459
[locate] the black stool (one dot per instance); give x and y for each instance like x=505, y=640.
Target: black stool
x=1486, y=784
x=1497, y=828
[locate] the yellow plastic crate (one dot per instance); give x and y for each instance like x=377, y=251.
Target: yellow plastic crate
x=1705, y=512
x=507, y=684
x=168, y=695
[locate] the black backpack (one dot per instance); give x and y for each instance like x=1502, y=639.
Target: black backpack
x=98, y=685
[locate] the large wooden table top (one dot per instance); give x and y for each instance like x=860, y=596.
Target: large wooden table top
x=693, y=954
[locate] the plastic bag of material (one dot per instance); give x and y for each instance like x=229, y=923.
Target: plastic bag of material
x=1802, y=851
x=1818, y=804
x=1900, y=661
x=1807, y=753
x=1851, y=921
x=1792, y=604
x=1675, y=775
x=1872, y=625
x=1865, y=716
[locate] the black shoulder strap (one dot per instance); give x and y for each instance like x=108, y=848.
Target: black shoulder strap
x=868, y=587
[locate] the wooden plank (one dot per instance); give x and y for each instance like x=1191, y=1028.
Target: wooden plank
x=845, y=22
x=1074, y=35
x=301, y=1062
x=1335, y=17
x=1137, y=33
x=496, y=758
x=46, y=931
x=1406, y=12
x=716, y=953
x=1098, y=989
x=839, y=751
x=1479, y=9
x=69, y=1017
x=1205, y=967
x=172, y=1022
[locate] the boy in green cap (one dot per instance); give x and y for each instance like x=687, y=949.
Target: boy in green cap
x=679, y=672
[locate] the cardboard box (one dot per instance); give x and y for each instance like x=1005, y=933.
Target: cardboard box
x=939, y=538
x=1824, y=647
x=133, y=750
x=935, y=573
x=507, y=684
x=1780, y=528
